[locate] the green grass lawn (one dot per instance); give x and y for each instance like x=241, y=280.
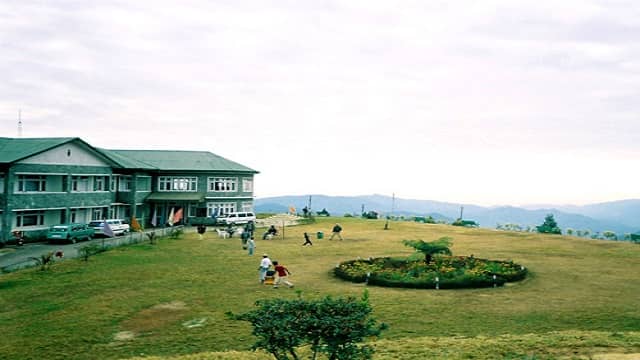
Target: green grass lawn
x=169, y=299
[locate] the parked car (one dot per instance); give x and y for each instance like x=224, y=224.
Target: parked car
x=70, y=233
x=238, y=217
x=116, y=225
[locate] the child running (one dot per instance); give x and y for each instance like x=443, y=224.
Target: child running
x=282, y=272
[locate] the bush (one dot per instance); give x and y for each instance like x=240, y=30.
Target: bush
x=176, y=232
x=330, y=326
x=453, y=272
x=89, y=250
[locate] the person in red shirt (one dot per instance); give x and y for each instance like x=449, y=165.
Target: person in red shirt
x=282, y=272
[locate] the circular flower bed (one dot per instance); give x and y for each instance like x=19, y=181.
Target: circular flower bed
x=444, y=272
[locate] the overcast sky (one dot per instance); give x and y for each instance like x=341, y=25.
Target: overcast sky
x=483, y=102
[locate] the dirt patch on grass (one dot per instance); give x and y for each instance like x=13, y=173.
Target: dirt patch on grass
x=616, y=356
x=155, y=317
x=124, y=336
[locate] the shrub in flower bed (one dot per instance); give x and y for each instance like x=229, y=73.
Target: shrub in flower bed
x=453, y=272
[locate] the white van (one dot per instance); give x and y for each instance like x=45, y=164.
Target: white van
x=238, y=217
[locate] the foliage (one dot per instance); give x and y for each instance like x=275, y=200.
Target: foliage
x=425, y=220
x=332, y=326
x=549, y=226
x=440, y=246
x=177, y=232
x=453, y=272
x=465, y=223
x=323, y=212
x=43, y=260
x=370, y=215
x=89, y=250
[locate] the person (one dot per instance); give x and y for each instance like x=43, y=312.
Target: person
x=307, y=241
x=250, y=228
x=271, y=231
x=201, y=230
x=282, y=272
x=245, y=236
x=336, y=231
x=251, y=245
x=265, y=264
x=230, y=230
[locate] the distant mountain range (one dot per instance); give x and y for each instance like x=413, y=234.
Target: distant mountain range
x=619, y=216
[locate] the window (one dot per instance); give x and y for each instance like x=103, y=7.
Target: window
x=222, y=208
x=1, y=183
x=113, y=185
x=192, y=209
x=169, y=183
x=124, y=183
x=80, y=183
x=247, y=206
x=223, y=184
x=96, y=214
x=30, y=183
x=247, y=185
x=143, y=183
x=29, y=218
x=73, y=216
x=99, y=183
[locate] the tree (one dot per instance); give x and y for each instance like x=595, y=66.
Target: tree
x=330, y=326
x=440, y=246
x=549, y=226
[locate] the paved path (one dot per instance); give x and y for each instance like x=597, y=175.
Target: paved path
x=17, y=257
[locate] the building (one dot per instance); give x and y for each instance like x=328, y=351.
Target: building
x=47, y=181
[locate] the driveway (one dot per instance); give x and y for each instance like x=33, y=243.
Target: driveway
x=17, y=257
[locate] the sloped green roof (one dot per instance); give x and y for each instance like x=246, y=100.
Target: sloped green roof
x=125, y=161
x=15, y=149
x=174, y=160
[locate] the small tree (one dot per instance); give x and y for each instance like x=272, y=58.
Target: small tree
x=330, y=326
x=549, y=226
x=440, y=246
x=43, y=260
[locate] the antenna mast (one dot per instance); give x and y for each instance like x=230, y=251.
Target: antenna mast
x=20, y=123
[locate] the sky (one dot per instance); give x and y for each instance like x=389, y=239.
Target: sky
x=476, y=102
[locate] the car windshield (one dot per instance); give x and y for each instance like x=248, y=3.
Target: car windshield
x=95, y=223
x=59, y=228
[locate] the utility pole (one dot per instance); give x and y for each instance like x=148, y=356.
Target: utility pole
x=393, y=202
x=461, y=209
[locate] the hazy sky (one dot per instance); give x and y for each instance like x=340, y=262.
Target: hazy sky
x=485, y=102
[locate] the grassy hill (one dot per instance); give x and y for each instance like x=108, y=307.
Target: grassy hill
x=169, y=299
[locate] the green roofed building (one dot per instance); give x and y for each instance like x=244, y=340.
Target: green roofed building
x=48, y=181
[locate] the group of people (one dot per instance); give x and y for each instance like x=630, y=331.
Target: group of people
x=280, y=270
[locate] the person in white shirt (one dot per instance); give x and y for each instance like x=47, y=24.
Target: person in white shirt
x=265, y=264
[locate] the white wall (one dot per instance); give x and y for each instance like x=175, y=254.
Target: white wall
x=67, y=154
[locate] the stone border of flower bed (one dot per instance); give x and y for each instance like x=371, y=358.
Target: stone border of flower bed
x=364, y=270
